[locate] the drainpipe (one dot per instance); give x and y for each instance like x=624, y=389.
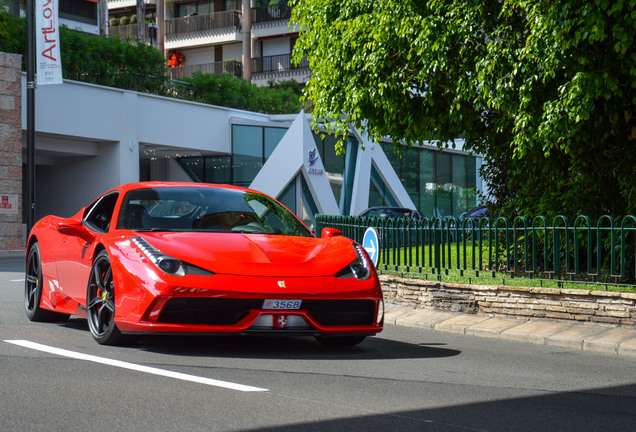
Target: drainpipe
x=247, y=41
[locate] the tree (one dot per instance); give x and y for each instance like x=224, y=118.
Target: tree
x=544, y=89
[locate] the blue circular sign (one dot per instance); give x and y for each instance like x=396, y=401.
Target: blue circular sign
x=371, y=244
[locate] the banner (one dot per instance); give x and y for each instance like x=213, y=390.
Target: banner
x=47, y=43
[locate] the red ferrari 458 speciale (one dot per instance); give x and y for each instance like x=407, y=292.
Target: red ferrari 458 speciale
x=185, y=258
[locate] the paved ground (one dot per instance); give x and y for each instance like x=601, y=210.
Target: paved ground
x=586, y=337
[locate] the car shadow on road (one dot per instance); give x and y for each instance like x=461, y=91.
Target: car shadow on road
x=278, y=347
x=275, y=347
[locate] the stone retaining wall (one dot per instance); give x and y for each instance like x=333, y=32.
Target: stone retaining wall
x=11, y=228
x=519, y=302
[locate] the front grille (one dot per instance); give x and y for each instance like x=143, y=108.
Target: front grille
x=225, y=311
x=207, y=311
x=341, y=312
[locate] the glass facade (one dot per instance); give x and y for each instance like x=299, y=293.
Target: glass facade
x=341, y=185
x=439, y=183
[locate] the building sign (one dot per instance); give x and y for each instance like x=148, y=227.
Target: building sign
x=47, y=42
x=9, y=204
x=313, y=158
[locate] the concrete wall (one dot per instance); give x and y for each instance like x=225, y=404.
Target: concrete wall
x=518, y=302
x=90, y=138
x=11, y=228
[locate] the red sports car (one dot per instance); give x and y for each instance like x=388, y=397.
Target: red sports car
x=186, y=258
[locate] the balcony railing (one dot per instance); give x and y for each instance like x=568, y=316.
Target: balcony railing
x=214, y=22
x=127, y=31
x=264, y=16
x=233, y=67
x=278, y=65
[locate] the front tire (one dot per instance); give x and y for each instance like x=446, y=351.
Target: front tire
x=33, y=283
x=100, y=302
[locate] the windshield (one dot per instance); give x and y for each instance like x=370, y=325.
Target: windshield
x=206, y=209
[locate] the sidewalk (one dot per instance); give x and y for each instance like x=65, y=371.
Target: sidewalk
x=585, y=337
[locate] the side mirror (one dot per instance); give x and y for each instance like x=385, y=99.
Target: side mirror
x=70, y=227
x=330, y=232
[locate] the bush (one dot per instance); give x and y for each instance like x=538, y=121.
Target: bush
x=112, y=62
x=109, y=61
x=133, y=19
x=113, y=22
x=229, y=91
x=125, y=20
x=13, y=35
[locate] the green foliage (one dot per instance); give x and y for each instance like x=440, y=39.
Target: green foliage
x=135, y=66
x=112, y=62
x=13, y=35
x=544, y=89
x=227, y=90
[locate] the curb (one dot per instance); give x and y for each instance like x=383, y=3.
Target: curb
x=11, y=253
x=594, y=338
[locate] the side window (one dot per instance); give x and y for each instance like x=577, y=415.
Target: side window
x=100, y=214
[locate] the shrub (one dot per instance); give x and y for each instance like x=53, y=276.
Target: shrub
x=13, y=35
x=125, y=20
x=112, y=62
x=227, y=90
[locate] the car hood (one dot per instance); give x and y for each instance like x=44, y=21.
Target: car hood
x=257, y=254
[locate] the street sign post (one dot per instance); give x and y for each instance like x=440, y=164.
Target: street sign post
x=371, y=244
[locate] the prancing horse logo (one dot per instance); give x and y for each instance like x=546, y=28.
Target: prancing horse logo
x=281, y=284
x=282, y=321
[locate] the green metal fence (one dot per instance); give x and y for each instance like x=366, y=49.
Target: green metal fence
x=601, y=252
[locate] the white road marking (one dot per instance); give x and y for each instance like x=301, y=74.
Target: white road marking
x=17, y=280
x=135, y=367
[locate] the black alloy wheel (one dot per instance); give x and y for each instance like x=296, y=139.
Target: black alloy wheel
x=33, y=282
x=100, y=302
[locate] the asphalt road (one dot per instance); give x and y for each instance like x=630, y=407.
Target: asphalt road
x=400, y=380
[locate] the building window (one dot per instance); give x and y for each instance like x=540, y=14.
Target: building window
x=194, y=8
x=251, y=146
x=78, y=10
x=439, y=183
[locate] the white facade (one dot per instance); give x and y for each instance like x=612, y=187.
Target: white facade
x=90, y=138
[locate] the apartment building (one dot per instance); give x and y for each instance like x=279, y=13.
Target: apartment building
x=80, y=15
x=215, y=36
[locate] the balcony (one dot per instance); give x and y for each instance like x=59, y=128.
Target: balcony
x=233, y=67
x=217, y=22
x=270, y=15
x=278, y=67
x=118, y=4
x=271, y=21
x=127, y=31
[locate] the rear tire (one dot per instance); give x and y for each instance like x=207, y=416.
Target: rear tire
x=340, y=341
x=100, y=302
x=33, y=282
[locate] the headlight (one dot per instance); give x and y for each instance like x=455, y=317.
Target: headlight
x=359, y=268
x=164, y=262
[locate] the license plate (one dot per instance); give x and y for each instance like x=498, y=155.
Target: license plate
x=281, y=304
